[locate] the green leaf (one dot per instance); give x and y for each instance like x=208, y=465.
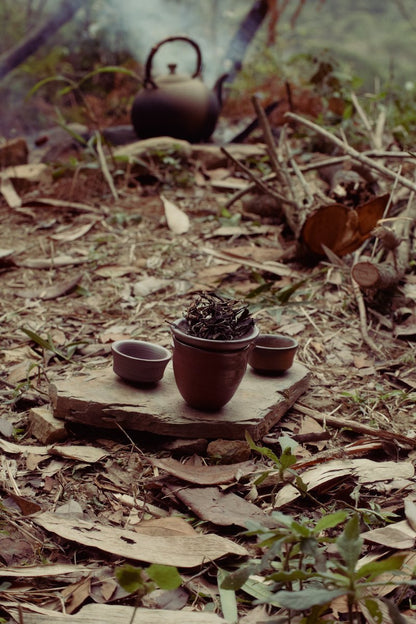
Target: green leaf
x=263, y=450
x=287, y=459
x=330, y=521
x=287, y=577
x=374, y=609
x=350, y=543
x=130, y=578
x=373, y=569
x=165, y=576
x=307, y=598
x=260, y=591
x=45, y=81
x=45, y=344
x=228, y=599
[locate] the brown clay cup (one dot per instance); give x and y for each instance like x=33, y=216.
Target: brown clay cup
x=138, y=361
x=272, y=354
x=207, y=380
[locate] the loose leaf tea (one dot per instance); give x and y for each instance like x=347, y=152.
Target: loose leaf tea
x=213, y=317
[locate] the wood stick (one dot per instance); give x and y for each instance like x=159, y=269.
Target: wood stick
x=343, y=423
x=258, y=181
x=381, y=169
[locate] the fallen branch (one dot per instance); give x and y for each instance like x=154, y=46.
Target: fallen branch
x=363, y=317
x=258, y=181
x=381, y=169
x=343, y=423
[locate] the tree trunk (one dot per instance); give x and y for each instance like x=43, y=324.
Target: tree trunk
x=233, y=58
x=24, y=49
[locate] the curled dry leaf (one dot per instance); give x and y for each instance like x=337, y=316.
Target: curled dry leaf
x=342, y=229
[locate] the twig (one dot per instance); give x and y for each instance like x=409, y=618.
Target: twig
x=285, y=172
x=258, y=181
x=268, y=139
x=319, y=164
x=343, y=423
x=384, y=171
x=379, y=131
x=363, y=317
x=387, y=208
x=104, y=167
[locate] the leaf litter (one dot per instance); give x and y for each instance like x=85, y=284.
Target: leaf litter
x=89, y=506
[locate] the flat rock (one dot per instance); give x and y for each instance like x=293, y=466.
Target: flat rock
x=101, y=399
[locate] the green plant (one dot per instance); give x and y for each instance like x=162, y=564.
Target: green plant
x=47, y=344
x=142, y=581
x=297, y=573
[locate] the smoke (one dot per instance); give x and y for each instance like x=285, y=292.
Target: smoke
x=139, y=24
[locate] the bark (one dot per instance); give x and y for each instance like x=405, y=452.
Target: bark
x=233, y=58
x=17, y=55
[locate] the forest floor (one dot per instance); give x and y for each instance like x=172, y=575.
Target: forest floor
x=87, y=260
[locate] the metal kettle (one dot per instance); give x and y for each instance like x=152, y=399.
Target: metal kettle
x=176, y=105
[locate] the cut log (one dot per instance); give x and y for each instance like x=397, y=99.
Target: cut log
x=396, y=241
x=368, y=274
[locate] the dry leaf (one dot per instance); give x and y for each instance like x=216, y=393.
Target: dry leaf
x=178, y=550
x=87, y=454
x=26, y=506
x=21, y=449
x=61, y=203
x=173, y=525
x=114, y=270
x=399, y=536
x=76, y=594
x=222, y=509
x=410, y=512
x=9, y=192
x=49, y=292
x=364, y=470
x=48, y=263
x=149, y=285
x=116, y=614
x=44, y=570
x=73, y=233
x=205, y=475
x=177, y=220
x=174, y=599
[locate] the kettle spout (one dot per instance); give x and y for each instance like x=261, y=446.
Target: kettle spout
x=218, y=88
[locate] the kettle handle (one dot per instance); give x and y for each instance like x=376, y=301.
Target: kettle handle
x=148, y=80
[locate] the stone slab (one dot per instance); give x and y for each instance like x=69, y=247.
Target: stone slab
x=101, y=399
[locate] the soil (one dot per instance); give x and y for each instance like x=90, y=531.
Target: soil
x=126, y=273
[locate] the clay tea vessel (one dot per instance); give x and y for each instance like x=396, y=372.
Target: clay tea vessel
x=207, y=380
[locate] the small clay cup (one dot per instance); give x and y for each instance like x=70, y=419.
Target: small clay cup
x=138, y=361
x=272, y=354
x=207, y=380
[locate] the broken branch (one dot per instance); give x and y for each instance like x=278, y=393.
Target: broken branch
x=384, y=171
